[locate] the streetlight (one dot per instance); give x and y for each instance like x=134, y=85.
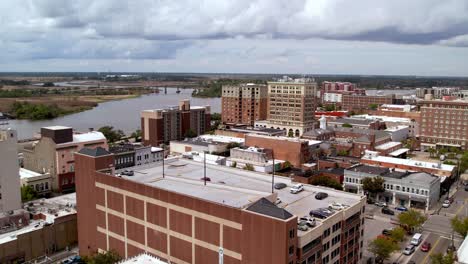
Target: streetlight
x=273, y=172
x=163, y=156
x=204, y=167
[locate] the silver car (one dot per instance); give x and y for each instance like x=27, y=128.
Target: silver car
x=409, y=249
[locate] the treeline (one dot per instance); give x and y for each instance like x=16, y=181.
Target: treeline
x=214, y=88
x=16, y=93
x=13, y=82
x=25, y=110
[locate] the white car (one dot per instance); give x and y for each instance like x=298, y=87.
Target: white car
x=297, y=188
x=446, y=204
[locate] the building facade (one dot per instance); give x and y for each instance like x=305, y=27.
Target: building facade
x=401, y=188
x=332, y=92
x=291, y=105
x=444, y=124
x=364, y=102
x=54, y=154
x=175, y=123
x=244, y=103
x=181, y=220
x=40, y=182
x=10, y=198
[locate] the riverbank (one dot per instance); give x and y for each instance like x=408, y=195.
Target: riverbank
x=48, y=107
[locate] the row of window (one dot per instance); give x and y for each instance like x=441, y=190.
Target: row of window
x=40, y=187
x=391, y=186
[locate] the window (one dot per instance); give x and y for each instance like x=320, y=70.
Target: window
x=326, y=233
x=326, y=246
x=47, y=185
x=291, y=250
x=291, y=233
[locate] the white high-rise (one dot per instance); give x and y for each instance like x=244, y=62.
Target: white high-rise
x=10, y=195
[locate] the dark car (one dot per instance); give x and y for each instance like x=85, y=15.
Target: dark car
x=205, y=178
x=387, y=232
x=387, y=211
x=321, y=196
x=401, y=208
x=280, y=185
x=318, y=214
x=466, y=188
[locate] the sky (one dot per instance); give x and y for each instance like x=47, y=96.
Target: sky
x=397, y=37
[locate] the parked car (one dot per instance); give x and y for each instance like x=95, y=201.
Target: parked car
x=297, y=188
x=127, y=172
x=387, y=211
x=466, y=188
x=321, y=196
x=205, y=178
x=426, y=246
x=381, y=204
x=280, y=185
x=409, y=250
x=446, y=204
x=416, y=239
x=309, y=221
x=401, y=208
x=318, y=214
x=387, y=232
x=302, y=225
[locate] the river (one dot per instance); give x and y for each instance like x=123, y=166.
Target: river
x=123, y=114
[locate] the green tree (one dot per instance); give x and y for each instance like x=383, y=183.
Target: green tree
x=342, y=153
x=287, y=165
x=290, y=133
x=109, y=257
x=28, y=193
x=111, y=134
x=397, y=234
x=249, y=167
x=346, y=125
x=190, y=133
x=432, y=152
x=373, y=106
x=232, y=145
x=460, y=225
x=373, y=185
x=449, y=258
x=330, y=108
x=327, y=182
x=411, y=220
x=48, y=84
x=382, y=248
x=234, y=164
x=136, y=135
x=215, y=117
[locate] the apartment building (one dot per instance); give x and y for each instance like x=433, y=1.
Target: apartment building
x=444, y=124
x=244, y=103
x=332, y=92
x=437, y=92
x=10, y=198
x=128, y=155
x=54, y=154
x=291, y=105
x=160, y=126
x=232, y=218
x=403, y=188
x=40, y=182
x=363, y=102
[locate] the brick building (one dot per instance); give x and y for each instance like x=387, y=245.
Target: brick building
x=54, y=154
x=291, y=105
x=296, y=151
x=332, y=92
x=181, y=220
x=444, y=124
x=363, y=102
x=163, y=125
x=244, y=103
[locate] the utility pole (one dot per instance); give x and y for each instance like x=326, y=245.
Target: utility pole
x=204, y=167
x=273, y=173
x=163, y=156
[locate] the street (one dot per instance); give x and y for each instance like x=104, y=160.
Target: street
x=436, y=230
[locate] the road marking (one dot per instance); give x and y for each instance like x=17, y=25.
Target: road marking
x=430, y=251
x=461, y=207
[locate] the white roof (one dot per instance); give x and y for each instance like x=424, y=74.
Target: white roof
x=24, y=173
x=57, y=127
x=387, y=145
x=222, y=139
x=89, y=136
x=396, y=128
x=155, y=149
x=143, y=259
x=383, y=118
x=314, y=142
x=398, y=152
x=410, y=162
x=462, y=252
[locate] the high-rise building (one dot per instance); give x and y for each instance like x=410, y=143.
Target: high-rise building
x=244, y=103
x=444, y=124
x=234, y=218
x=174, y=123
x=10, y=198
x=54, y=154
x=292, y=104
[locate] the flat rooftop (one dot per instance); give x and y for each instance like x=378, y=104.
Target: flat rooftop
x=234, y=187
x=410, y=162
x=388, y=145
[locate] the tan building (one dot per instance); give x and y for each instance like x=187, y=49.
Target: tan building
x=363, y=102
x=291, y=105
x=53, y=154
x=163, y=125
x=40, y=182
x=9, y=167
x=444, y=124
x=244, y=103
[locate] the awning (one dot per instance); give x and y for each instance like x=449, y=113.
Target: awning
x=402, y=196
x=419, y=199
x=447, y=144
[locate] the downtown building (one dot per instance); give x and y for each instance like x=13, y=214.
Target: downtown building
x=235, y=217
x=10, y=198
x=332, y=92
x=291, y=105
x=364, y=102
x=160, y=126
x=444, y=123
x=244, y=103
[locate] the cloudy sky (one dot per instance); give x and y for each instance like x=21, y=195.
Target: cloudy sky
x=409, y=37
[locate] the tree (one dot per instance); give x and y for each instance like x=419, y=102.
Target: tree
x=110, y=257
x=441, y=259
x=346, y=125
x=190, y=133
x=111, y=134
x=232, y=145
x=290, y=133
x=48, y=84
x=329, y=108
x=215, y=117
x=411, y=220
x=373, y=185
x=327, y=182
x=287, y=165
x=432, y=151
x=249, y=167
x=382, y=248
x=136, y=135
x=28, y=193
x=234, y=164
x=397, y=234
x=460, y=225
x=342, y=153
x=373, y=106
